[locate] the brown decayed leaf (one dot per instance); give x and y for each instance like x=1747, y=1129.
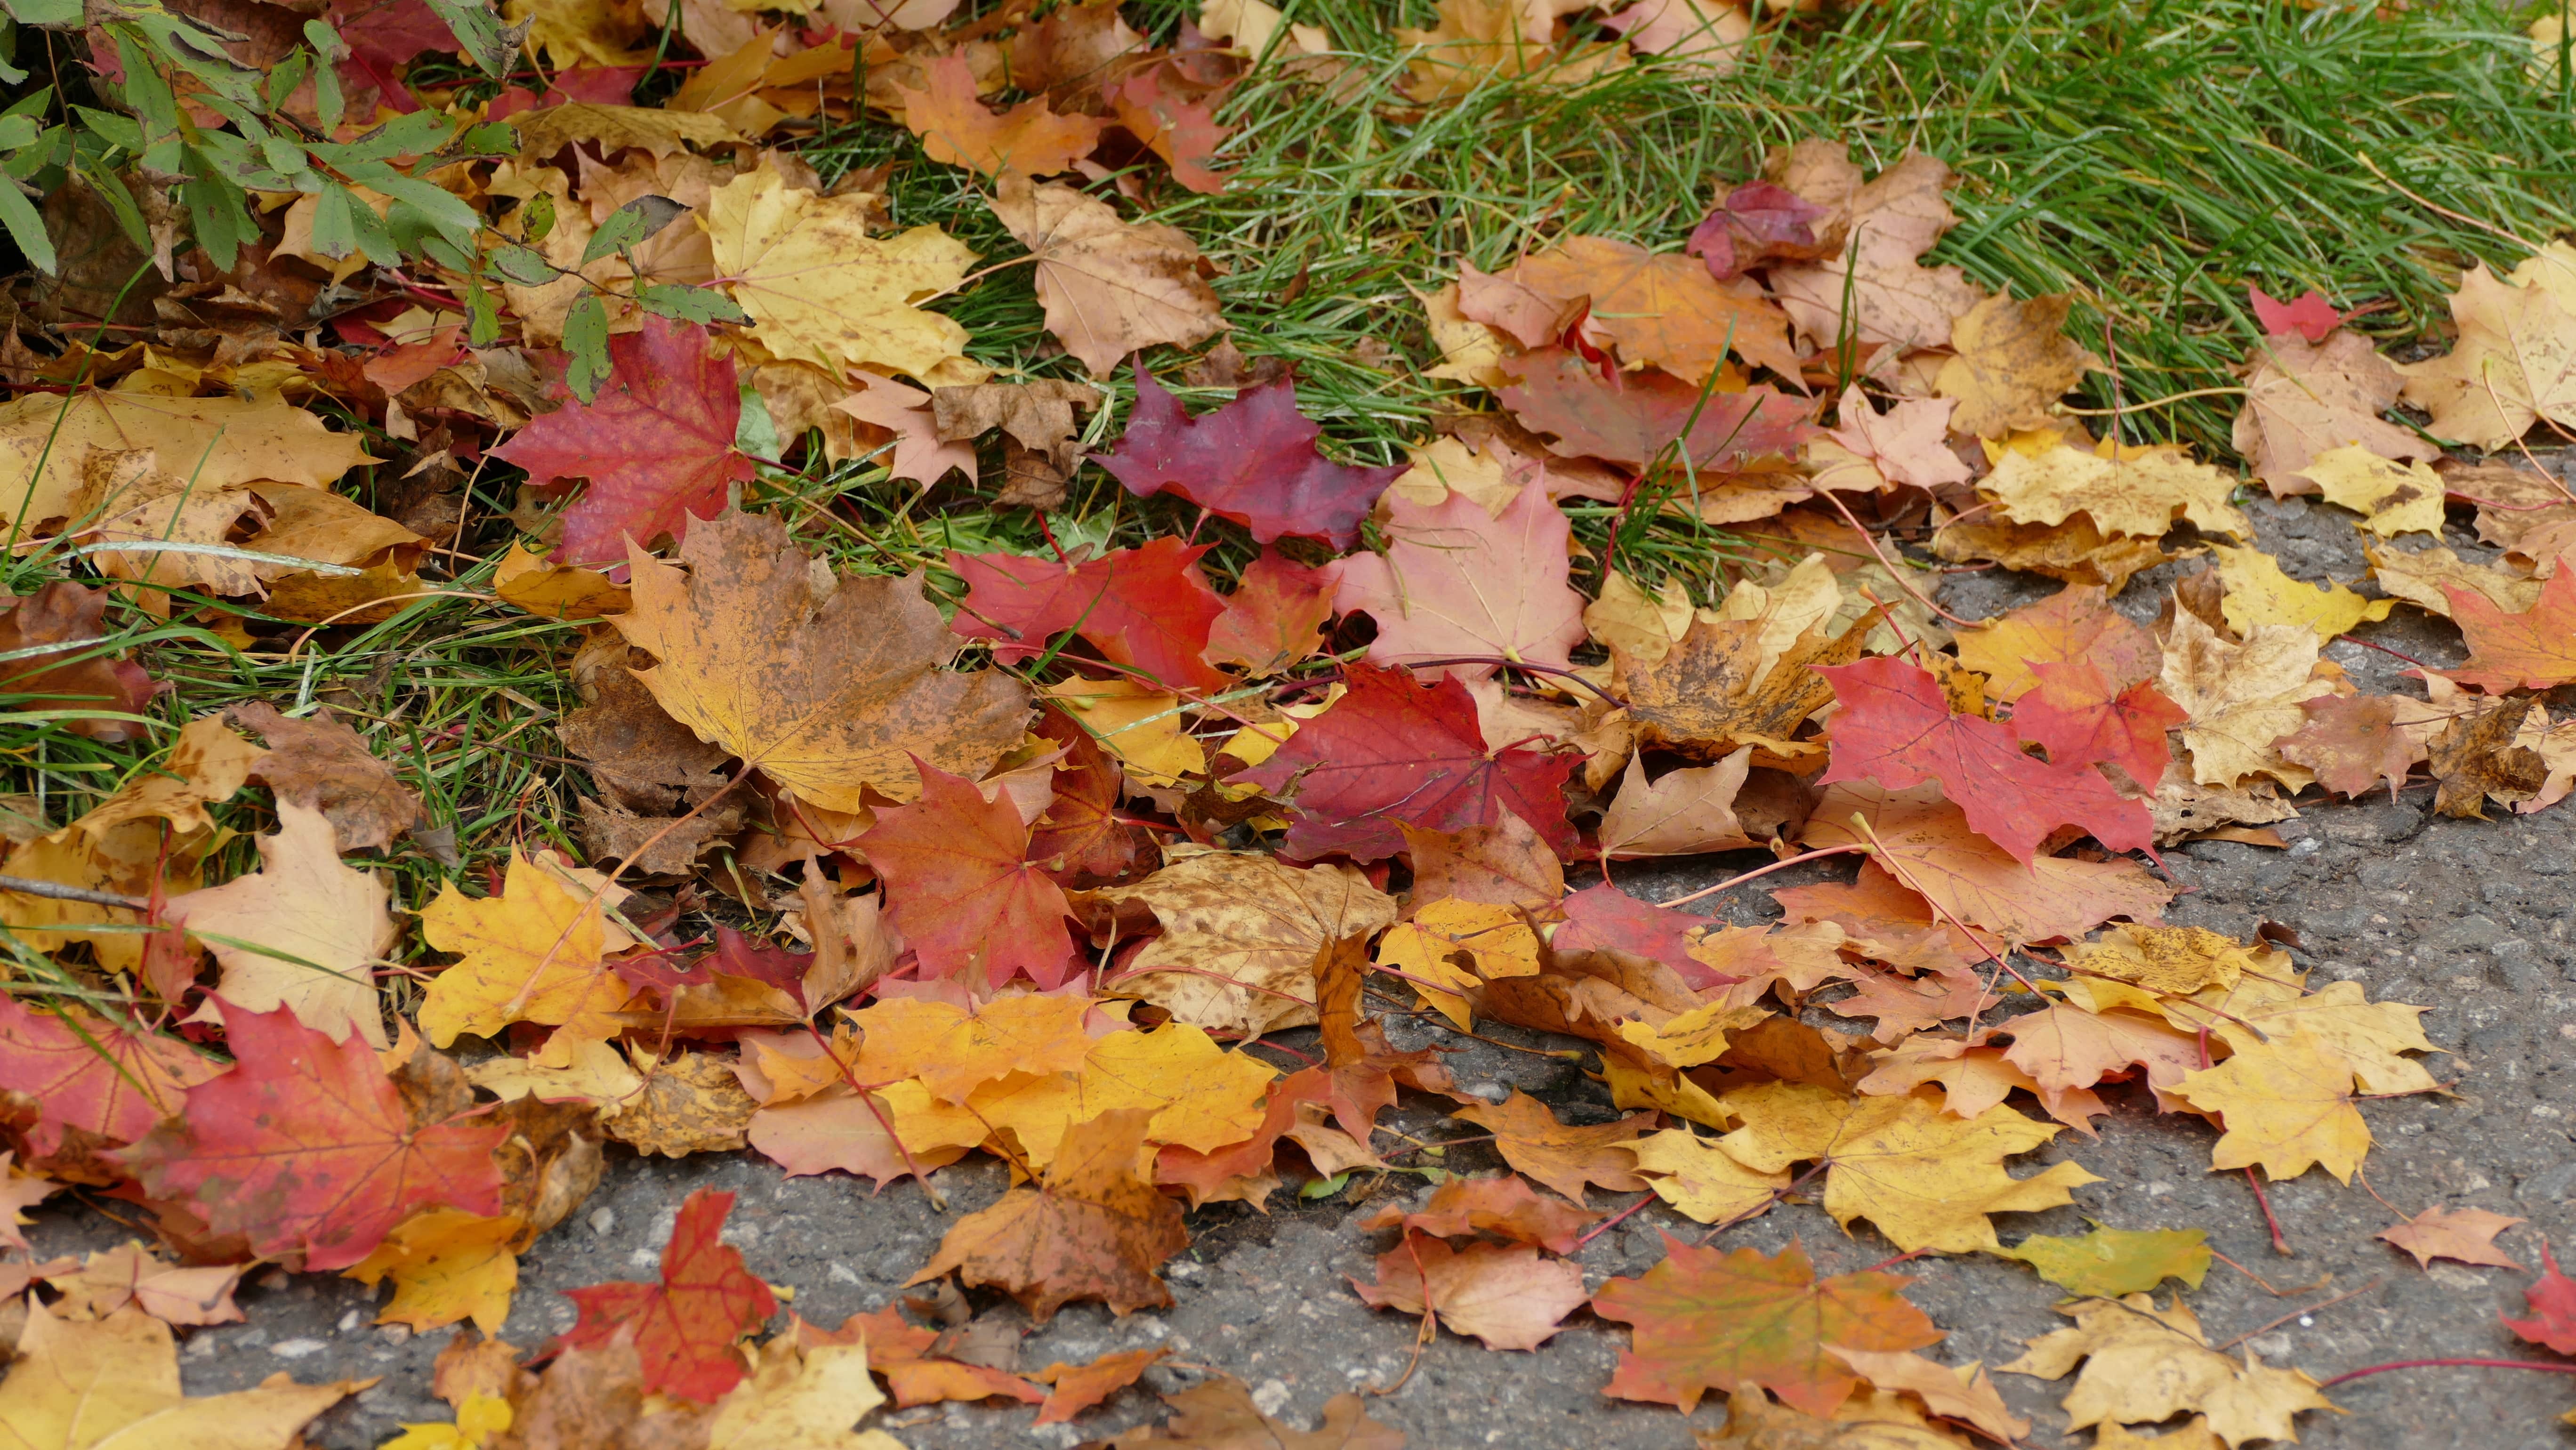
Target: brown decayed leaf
x=322, y=764
x=1109, y=286
x=1247, y=928
x=1095, y=1227
x=2076, y=551
x=690, y=1103
x=2010, y=363
x=1721, y=689
x=1562, y=1157
x=2476, y=759
x=1220, y=1415
x=1078, y=1387
x=829, y=697
x=2352, y=743
x=2465, y=1235
x=1502, y=1205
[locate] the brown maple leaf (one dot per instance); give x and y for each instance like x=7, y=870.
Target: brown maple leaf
x=1562, y=1157
x=1094, y=1228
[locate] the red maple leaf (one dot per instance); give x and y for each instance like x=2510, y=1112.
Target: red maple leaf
x=685, y=1326
x=1895, y=727
x=1633, y=417
x=1147, y=608
x=960, y=886
x=306, y=1148
x=737, y=955
x=656, y=444
x=1759, y=222
x=2077, y=715
x=1393, y=750
x=2553, y=1307
x=84, y=1072
x=1080, y=841
x=2311, y=316
x=1252, y=461
x=1605, y=918
x=1275, y=616
x=1711, y=1320
x=1181, y=131
x=2535, y=648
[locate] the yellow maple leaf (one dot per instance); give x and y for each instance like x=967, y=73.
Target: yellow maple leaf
x=801, y=1399
x=2171, y=961
x=1240, y=934
x=2143, y=1365
x=478, y=1418
x=2392, y=498
x=2238, y=698
x=531, y=954
x=1694, y=1038
x=821, y=290
x=1702, y=1180
x=1494, y=938
x=227, y=442
x=2140, y=492
x=447, y=1266
x=2368, y=1036
x=115, y=1381
x=2287, y=1104
x=2010, y=364
x=1926, y=1179
x=1201, y=1096
x=2259, y=593
x=1140, y=725
x=2515, y=362
x=304, y=932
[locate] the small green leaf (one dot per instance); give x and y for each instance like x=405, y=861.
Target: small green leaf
x=482, y=320
x=283, y=80
x=537, y=217
x=522, y=265
x=1325, y=1187
x=700, y=305
x=53, y=14
x=630, y=224
x=586, y=343
x=479, y=31
x=26, y=227
x=326, y=43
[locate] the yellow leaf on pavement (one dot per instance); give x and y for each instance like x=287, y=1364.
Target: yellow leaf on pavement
x=2259, y=593
x=2144, y=1365
x=2287, y=1105
x=1964, y=1394
x=1201, y=1096
x=447, y=1266
x=801, y=1400
x=2240, y=698
x=1494, y=938
x=2392, y=498
x=304, y=932
x=2368, y=1036
x=2141, y=492
x=114, y=1382
x=1700, y=1179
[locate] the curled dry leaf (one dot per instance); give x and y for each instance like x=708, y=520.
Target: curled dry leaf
x=1240, y=934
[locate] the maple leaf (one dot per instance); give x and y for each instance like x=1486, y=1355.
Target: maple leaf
x=1874, y=451
x=2287, y=1105
x=2309, y=314
x=112, y=1280
x=1891, y=298
x=1082, y=840
x=656, y=443
x=2065, y=1047
x=920, y=452
x=2010, y=362
x=1502, y=1205
x=1253, y=460
x=115, y=1381
x=2143, y=1364
x=532, y=954
x=1457, y=583
x=1686, y=812
x=2110, y=1262
x=1928, y=846
x=2476, y=759
x=1706, y=1319
x=1507, y=1295
x=1703, y=1181
x=1755, y=225
x=2534, y=649
x=87, y=1075
x=1723, y=687
x=446, y=1266
x=1240, y=934
x=1148, y=608
x=1924, y=1178
x=1027, y=140
x=2079, y=716
x=916, y=1368
x=60, y=614
x=1144, y=727
x=800, y=1395
x=1393, y=750
x=2240, y=697
x=2074, y=624
x=306, y=1148
x=2077, y=551
x=1895, y=727
x=1110, y=287
x=2552, y=1301
x=303, y=932
x=321, y=763
x=961, y=888
x=1275, y=617
x=2463, y=1234
x=821, y=290
x=1078, y=1387
x=1221, y=1414
x=2259, y=593
x=1660, y=308
x=1183, y=132
x=2352, y=743
x=2141, y=491
x=1964, y=1394
x=46, y=440
x=1493, y=939
x=2304, y=401
x=2394, y=498
x=1564, y=1158
x=686, y=1324
x=2514, y=364
x=1094, y=1228
x=1633, y=418
x=827, y=697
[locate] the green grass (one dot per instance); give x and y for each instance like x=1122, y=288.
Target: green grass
x=2151, y=158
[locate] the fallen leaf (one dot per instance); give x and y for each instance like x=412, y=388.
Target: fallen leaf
x=1873, y=287
x=1564, y=1158
x=1082, y=840
x=1896, y=727
x=828, y=697
x=446, y=1266
x=2077, y=551
x=1722, y=687
x=1659, y=308
x=1906, y=446
x=820, y=290
x=304, y=932
x=2010, y=362
x=323, y=765
x=2286, y=1104
x=917, y=1368
x=1253, y=460
x=1461, y=593
x=1149, y=608
x=2309, y=315
x=686, y=1324
x=2466, y=1235
x=1478, y=41
x=110, y=1281
x=1635, y=418
x=2239, y=698
x=2141, y=492
x=2476, y=760
x=1740, y=1320
x=1964, y=1394
x=2423, y=578
x=2352, y=743
x=2073, y=625
x=1876, y=1420
x=1494, y=938
x=801, y=1397
x=1392, y=751
x=2392, y=498
x=2304, y=400
x=1501, y=1205
x=2514, y=363
x=1687, y=812
x=2258, y=593
x=689, y=1102
x=1275, y=617
x=1701, y=1180
x=656, y=444
x=1145, y=728
x=1928, y=846
x=2533, y=649
x=1110, y=287
x=1507, y=1295
x=2110, y=1262
x=306, y=1147
x=2077, y=715
x=1094, y=1228
x=1027, y=140
x=91, y=686
x=2143, y=1365
x=1240, y=934
x=116, y=1380
x=1182, y=131
x=1220, y=1414
x=961, y=888
x=532, y=954
x=2552, y=1301
x=1078, y=1387
x=1754, y=225
x=46, y=438
x=99, y=1078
